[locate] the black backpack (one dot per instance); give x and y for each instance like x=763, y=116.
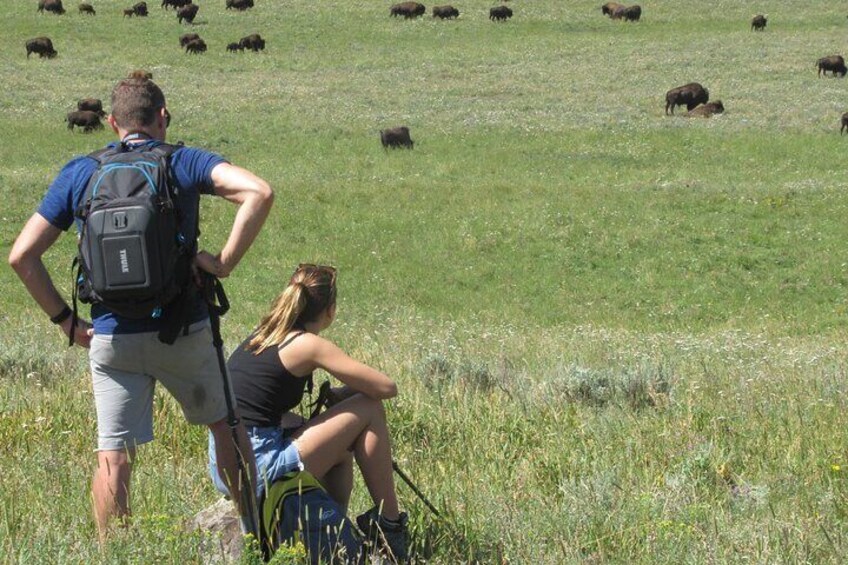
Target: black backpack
x=133, y=257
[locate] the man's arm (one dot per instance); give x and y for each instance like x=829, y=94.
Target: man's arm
x=25, y=258
x=254, y=198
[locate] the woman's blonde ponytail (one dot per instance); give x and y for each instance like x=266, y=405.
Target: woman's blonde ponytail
x=279, y=321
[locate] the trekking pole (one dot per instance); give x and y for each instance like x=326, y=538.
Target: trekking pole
x=414, y=488
x=216, y=299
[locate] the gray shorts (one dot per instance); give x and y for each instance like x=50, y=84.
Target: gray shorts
x=125, y=368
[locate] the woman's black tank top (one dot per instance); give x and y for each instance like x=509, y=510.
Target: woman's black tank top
x=263, y=387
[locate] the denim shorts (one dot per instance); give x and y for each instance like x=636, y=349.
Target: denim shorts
x=275, y=452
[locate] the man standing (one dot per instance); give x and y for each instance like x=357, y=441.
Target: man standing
x=125, y=354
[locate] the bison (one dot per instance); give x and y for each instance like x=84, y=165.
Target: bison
x=254, y=42
x=445, y=12
x=91, y=105
x=706, y=110
x=240, y=5
x=186, y=37
x=138, y=9
x=175, y=3
x=42, y=46
x=396, y=137
x=844, y=123
x=53, y=6
x=758, y=23
x=187, y=13
x=128, y=12
x=235, y=46
x=140, y=74
x=834, y=63
x=612, y=9
x=632, y=13
x=690, y=94
x=86, y=8
x=500, y=14
x=195, y=46
x=85, y=119
x=408, y=10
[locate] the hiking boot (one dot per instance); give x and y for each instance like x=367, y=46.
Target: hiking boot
x=391, y=537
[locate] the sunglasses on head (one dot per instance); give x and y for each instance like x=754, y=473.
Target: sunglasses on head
x=315, y=267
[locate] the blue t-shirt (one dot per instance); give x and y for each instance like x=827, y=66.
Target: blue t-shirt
x=192, y=171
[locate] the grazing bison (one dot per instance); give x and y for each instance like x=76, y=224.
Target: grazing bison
x=632, y=13
x=844, y=123
x=42, y=46
x=53, y=6
x=175, y=3
x=138, y=9
x=834, y=63
x=396, y=137
x=408, y=10
x=195, y=46
x=91, y=105
x=186, y=37
x=86, y=8
x=445, y=12
x=254, y=42
x=690, y=95
x=235, y=46
x=128, y=12
x=500, y=14
x=706, y=110
x=187, y=13
x=240, y=5
x=758, y=23
x=141, y=74
x=88, y=121
x=612, y=9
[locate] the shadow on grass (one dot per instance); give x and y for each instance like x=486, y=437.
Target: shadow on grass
x=450, y=540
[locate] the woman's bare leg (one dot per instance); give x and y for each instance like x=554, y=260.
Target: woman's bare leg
x=358, y=422
x=338, y=482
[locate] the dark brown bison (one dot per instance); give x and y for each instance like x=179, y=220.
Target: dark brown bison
x=139, y=9
x=500, y=13
x=240, y=5
x=52, y=6
x=91, y=105
x=195, y=46
x=85, y=119
x=844, y=123
x=758, y=23
x=128, y=12
x=632, y=13
x=235, y=46
x=408, y=10
x=186, y=37
x=175, y=3
x=706, y=110
x=445, y=12
x=396, y=137
x=612, y=9
x=254, y=42
x=42, y=46
x=187, y=13
x=834, y=63
x=141, y=74
x=689, y=95
x=86, y=8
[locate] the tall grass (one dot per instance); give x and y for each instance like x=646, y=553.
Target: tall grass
x=619, y=335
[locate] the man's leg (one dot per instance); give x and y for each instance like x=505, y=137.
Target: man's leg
x=110, y=489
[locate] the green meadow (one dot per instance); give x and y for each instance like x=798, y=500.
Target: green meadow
x=619, y=336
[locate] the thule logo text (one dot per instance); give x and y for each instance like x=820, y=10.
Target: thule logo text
x=125, y=264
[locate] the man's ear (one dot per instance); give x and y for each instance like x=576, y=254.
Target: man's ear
x=112, y=123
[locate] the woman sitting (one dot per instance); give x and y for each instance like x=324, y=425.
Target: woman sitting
x=271, y=370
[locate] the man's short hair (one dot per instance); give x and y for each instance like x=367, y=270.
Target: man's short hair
x=135, y=102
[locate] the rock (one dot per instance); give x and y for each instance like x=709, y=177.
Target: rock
x=224, y=542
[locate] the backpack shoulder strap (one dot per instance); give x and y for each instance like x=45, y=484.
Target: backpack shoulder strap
x=98, y=155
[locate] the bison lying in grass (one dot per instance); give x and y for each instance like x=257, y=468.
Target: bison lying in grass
x=706, y=110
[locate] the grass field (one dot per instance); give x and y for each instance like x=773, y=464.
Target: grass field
x=636, y=321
